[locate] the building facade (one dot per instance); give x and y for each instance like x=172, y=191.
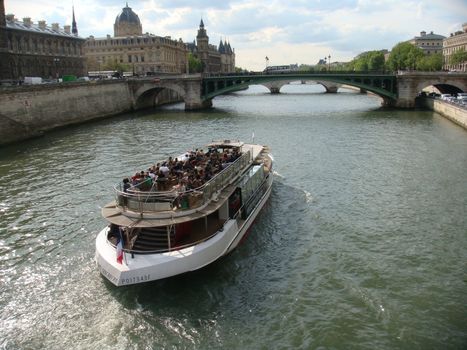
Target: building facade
x=214, y=59
x=38, y=50
x=430, y=43
x=142, y=54
x=456, y=41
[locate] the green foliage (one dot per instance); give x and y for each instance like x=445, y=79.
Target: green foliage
x=432, y=62
x=404, y=56
x=240, y=70
x=194, y=64
x=371, y=61
x=116, y=66
x=304, y=68
x=458, y=57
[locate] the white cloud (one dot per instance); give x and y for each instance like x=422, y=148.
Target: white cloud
x=296, y=31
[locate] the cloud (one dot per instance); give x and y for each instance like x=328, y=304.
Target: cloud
x=297, y=31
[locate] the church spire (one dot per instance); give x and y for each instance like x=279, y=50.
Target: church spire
x=74, y=28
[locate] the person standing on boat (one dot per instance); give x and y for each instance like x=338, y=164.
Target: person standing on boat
x=126, y=184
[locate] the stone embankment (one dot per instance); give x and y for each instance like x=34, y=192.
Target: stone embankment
x=30, y=111
x=451, y=111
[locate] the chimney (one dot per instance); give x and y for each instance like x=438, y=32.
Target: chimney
x=422, y=33
x=10, y=17
x=55, y=27
x=42, y=25
x=27, y=21
x=67, y=29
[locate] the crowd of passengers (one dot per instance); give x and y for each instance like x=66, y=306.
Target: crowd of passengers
x=188, y=172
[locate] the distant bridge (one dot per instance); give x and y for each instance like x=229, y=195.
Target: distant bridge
x=384, y=85
x=398, y=90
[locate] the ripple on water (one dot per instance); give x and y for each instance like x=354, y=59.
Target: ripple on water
x=361, y=244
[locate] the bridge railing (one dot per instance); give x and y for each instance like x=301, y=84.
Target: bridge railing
x=309, y=72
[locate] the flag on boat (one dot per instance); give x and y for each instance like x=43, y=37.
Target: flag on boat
x=120, y=248
x=120, y=252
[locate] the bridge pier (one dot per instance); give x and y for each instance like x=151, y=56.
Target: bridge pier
x=331, y=88
x=195, y=105
x=275, y=86
x=192, y=98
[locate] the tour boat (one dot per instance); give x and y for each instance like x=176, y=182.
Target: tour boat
x=166, y=227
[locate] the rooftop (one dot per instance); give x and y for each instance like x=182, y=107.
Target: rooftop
x=430, y=36
x=39, y=27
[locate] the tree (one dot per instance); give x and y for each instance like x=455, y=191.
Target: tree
x=116, y=66
x=460, y=56
x=404, y=56
x=376, y=61
x=361, y=65
x=194, y=64
x=432, y=62
x=368, y=61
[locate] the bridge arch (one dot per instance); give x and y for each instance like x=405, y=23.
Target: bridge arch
x=411, y=83
x=447, y=87
x=275, y=86
x=149, y=95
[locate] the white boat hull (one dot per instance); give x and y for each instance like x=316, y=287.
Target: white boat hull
x=149, y=267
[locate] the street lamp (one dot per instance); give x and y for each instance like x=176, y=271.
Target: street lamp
x=329, y=62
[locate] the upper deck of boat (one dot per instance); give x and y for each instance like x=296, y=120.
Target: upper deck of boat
x=176, y=204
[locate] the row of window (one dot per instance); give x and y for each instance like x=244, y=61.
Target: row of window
x=133, y=41
x=450, y=50
x=43, y=46
x=166, y=56
x=433, y=44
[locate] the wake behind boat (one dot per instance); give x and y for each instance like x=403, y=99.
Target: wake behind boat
x=184, y=213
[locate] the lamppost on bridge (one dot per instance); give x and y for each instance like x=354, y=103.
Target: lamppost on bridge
x=267, y=62
x=329, y=62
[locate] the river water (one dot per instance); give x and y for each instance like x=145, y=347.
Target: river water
x=362, y=245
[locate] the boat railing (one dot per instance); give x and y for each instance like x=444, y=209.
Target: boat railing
x=257, y=195
x=156, y=201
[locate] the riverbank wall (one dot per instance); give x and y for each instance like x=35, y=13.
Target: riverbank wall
x=30, y=111
x=448, y=110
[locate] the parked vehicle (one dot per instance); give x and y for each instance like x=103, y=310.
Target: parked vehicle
x=32, y=80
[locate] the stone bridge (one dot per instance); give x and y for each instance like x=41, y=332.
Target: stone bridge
x=398, y=90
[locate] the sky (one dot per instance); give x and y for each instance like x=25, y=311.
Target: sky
x=287, y=31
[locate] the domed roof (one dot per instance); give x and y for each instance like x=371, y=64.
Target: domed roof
x=127, y=15
x=127, y=23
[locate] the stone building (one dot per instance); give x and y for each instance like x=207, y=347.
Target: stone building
x=430, y=43
x=214, y=59
x=456, y=41
x=35, y=49
x=142, y=54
